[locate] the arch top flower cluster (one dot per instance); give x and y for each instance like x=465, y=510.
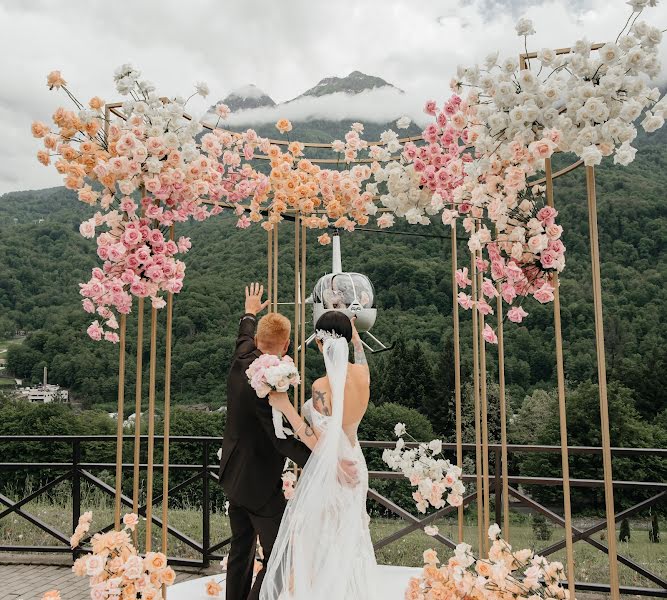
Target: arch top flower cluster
x=156, y=166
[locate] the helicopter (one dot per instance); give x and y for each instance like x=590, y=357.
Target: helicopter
x=350, y=293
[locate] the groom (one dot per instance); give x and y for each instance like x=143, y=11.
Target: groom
x=252, y=456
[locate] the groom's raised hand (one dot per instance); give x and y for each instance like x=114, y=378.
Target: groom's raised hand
x=253, y=299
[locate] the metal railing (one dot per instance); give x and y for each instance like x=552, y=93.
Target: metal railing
x=201, y=474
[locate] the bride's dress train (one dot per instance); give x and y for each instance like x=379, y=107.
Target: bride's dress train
x=324, y=549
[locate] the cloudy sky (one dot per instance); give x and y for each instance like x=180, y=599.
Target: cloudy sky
x=283, y=47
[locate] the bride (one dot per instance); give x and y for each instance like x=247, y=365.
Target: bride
x=324, y=549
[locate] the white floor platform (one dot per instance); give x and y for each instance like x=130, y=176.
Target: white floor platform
x=394, y=582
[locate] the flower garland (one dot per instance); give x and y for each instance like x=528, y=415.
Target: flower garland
x=146, y=172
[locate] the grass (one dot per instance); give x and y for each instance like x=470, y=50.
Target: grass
x=591, y=564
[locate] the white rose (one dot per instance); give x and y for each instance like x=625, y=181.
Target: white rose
x=494, y=532
x=625, y=154
x=546, y=56
x=591, y=156
x=609, y=53
x=403, y=122
x=524, y=27
x=400, y=430
x=202, y=89
x=510, y=65
x=652, y=122
x=435, y=446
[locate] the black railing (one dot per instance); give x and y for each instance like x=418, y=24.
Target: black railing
x=77, y=471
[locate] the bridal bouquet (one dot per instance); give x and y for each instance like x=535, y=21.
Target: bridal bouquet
x=270, y=373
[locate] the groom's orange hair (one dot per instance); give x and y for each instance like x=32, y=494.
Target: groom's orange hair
x=273, y=331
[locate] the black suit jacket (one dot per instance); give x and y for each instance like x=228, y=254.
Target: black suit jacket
x=252, y=456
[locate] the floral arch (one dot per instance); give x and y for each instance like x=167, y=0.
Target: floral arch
x=484, y=160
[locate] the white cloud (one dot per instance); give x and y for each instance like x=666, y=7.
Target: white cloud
x=379, y=106
x=282, y=47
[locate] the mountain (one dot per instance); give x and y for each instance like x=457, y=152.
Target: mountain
x=355, y=83
x=248, y=97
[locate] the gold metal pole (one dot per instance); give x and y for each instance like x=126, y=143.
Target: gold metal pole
x=151, y=432
x=602, y=384
x=484, y=416
x=167, y=414
x=297, y=305
x=562, y=408
x=478, y=439
x=503, y=418
x=302, y=301
x=137, y=406
x=119, y=425
x=275, y=268
x=269, y=268
x=457, y=372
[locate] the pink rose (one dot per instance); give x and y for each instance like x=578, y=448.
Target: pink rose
x=545, y=293
x=489, y=335
x=462, y=278
x=484, y=308
x=465, y=300
x=431, y=107
x=95, y=331
x=547, y=214
x=516, y=314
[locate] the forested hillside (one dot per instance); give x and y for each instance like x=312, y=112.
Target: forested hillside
x=43, y=257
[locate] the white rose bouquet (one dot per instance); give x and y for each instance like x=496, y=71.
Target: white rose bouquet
x=270, y=373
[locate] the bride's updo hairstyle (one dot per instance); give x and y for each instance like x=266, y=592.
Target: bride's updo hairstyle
x=336, y=322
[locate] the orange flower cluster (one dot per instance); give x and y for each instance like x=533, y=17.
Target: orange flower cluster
x=323, y=197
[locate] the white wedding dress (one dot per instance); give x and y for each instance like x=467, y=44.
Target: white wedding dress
x=323, y=550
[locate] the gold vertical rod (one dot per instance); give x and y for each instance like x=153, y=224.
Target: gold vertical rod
x=562, y=408
x=151, y=432
x=302, y=304
x=119, y=425
x=602, y=384
x=503, y=418
x=457, y=372
x=297, y=298
x=484, y=415
x=269, y=267
x=167, y=415
x=137, y=406
x=275, y=268
x=478, y=439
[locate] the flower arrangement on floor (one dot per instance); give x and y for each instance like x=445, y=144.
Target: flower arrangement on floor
x=146, y=172
x=427, y=470
x=505, y=574
x=115, y=568
x=269, y=373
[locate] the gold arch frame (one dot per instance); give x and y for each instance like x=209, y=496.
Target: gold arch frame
x=479, y=374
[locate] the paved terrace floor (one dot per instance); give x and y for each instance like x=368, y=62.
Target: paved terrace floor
x=20, y=581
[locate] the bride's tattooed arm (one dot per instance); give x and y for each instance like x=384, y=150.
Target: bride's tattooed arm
x=359, y=354
x=320, y=402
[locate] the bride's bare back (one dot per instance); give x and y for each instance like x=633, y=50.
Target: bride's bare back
x=357, y=395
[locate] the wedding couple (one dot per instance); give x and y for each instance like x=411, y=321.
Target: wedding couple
x=317, y=546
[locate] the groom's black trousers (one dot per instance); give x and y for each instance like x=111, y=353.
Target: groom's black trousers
x=246, y=527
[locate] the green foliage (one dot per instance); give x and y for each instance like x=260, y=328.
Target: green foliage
x=541, y=527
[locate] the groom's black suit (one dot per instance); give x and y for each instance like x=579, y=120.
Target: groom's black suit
x=251, y=470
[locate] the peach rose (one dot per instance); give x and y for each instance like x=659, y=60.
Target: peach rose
x=51, y=595
x=213, y=588
x=168, y=576
x=155, y=561
x=54, y=80
x=39, y=129
x=284, y=125
x=96, y=103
